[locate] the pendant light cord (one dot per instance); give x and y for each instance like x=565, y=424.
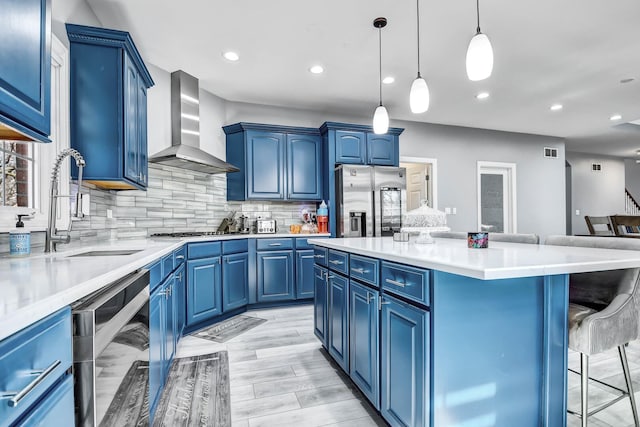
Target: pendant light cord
x=418, y=32
x=478, y=15
x=380, y=62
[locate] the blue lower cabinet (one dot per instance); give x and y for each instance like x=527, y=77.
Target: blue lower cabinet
x=304, y=274
x=363, y=340
x=405, y=376
x=156, y=346
x=235, y=281
x=320, y=307
x=204, y=289
x=55, y=410
x=275, y=275
x=180, y=300
x=338, y=319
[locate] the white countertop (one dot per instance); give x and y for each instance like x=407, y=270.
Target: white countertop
x=34, y=287
x=500, y=261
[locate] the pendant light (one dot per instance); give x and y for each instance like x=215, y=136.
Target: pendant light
x=419, y=95
x=380, y=117
x=479, y=54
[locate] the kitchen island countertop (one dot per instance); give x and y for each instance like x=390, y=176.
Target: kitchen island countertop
x=33, y=287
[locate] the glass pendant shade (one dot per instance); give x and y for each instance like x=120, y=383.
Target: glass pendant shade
x=479, y=58
x=380, y=120
x=419, y=96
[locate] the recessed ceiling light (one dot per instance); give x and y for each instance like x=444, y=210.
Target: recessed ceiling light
x=615, y=117
x=627, y=80
x=556, y=107
x=316, y=69
x=388, y=80
x=231, y=56
x=482, y=95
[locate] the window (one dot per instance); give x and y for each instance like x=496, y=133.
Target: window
x=25, y=167
x=16, y=174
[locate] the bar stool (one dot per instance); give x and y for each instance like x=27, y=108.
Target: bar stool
x=604, y=313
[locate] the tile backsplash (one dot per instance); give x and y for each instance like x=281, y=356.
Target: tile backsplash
x=175, y=200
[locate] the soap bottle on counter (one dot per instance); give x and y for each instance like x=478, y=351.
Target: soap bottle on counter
x=322, y=216
x=19, y=239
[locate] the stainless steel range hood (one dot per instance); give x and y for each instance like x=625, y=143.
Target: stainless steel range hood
x=185, y=152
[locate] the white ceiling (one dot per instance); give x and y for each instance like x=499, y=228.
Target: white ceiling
x=573, y=52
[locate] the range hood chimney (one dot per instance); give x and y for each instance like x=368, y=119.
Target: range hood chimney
x=185, y=152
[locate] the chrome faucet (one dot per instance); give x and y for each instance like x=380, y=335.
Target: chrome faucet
x=51, y=238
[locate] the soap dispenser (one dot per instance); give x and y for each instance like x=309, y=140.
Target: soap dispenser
x=19, y=239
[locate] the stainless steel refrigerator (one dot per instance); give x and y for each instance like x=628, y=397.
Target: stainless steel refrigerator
x=370, y=200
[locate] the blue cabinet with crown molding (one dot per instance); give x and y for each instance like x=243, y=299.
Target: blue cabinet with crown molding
x=25, y=70
x=275, y=162
x=109, y=83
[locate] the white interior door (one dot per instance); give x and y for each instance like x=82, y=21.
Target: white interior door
x=496, y=197
x=416, y=185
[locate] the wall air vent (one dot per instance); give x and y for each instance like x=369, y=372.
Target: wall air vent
x=552, y=153
x=596, y=167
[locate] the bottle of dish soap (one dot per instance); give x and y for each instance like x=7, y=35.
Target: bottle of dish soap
x=19, y=239
x=322, y=216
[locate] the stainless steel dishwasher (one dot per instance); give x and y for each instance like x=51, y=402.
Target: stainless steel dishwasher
x=111, y=343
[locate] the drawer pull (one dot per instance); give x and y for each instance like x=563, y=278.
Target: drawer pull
x=41, y=375
x=336, y=262
x=395, y=282
x=180, y=257
x=319, y=256
x=275, y=244
x=360, y=270
x=330, y=276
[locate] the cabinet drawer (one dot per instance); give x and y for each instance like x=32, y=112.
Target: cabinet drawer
x=320, y=255
x=155, y=274
x=235, y=246
x=409, y=282
x=34, y=358
x=203, y=250
x=56, y=409
x=274, y=244
x=179, y=256
x=363, y=268
x=167, y=265
x=339, y=261
x=302, y=242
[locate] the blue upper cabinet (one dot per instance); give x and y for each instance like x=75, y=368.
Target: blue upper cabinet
x=25, y=70
x=351, y=147
x=109, y=83
x=382, y=150
x=275, y=162
x=304, y=167
x=358, y=145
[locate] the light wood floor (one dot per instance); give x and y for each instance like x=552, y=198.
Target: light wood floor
x=280, y=376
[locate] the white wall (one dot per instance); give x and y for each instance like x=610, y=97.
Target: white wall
x=595, y=193
x=73, y=12
x=632, y=177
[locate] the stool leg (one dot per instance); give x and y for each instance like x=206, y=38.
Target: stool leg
x=584, y=377
x=627, y=379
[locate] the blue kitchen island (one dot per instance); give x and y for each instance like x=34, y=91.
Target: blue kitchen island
x=443, y=335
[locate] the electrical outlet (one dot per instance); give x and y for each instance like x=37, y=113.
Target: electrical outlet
x=577, y=211
x=454, y=211
x=109, y=214
x=447, y=210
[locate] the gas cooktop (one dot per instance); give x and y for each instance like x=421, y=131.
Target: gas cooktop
x=190, y=234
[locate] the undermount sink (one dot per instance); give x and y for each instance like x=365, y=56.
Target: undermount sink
x=107, y=253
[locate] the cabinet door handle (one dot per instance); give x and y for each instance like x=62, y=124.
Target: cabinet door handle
x=336, y=262
x=180, y=257
x=319, y=256
x=275, y=244
x=180, y=277
x=306, y=256
x=359, y=270
x=16, y=397
x=330, y=276
x=395, y=282
x=321, y=277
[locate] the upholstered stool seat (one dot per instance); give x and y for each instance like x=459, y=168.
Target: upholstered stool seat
x=604, y=313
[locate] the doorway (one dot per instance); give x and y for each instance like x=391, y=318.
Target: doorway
x=497, y=197
x=421, y=181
